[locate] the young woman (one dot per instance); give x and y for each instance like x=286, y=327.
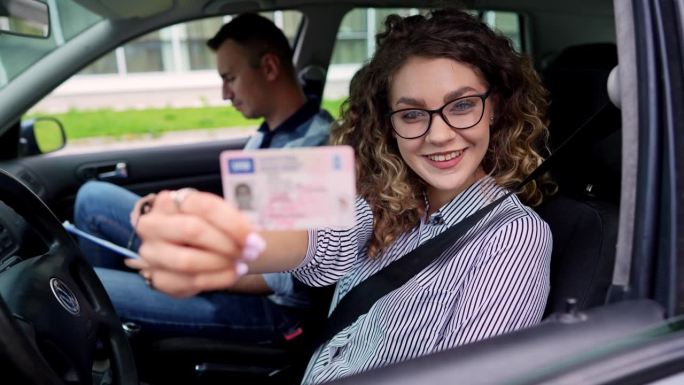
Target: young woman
x=443, y=120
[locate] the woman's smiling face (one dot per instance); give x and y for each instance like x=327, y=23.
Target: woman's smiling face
x=447, y=159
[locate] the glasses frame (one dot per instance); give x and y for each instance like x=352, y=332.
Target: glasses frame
x=440, y=110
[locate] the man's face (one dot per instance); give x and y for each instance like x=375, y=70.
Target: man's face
x=243, y=84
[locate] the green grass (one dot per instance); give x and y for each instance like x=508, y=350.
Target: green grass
x=127, y=124
x=333, y=106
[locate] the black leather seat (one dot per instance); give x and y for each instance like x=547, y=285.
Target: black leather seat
x=206, y=361
x=583, y=216
x=312, y=78
x=577, y=80
x=584, y=235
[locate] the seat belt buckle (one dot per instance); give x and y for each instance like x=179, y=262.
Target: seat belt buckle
x=292, y=334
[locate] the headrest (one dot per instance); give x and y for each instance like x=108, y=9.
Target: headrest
x=577, y=79
x=312, y=78
x=614, y=87
x=594, y=56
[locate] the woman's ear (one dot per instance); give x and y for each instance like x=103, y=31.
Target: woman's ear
x=270, y=66
x=493, y=108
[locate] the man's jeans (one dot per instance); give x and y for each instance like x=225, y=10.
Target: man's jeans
x=103, y=209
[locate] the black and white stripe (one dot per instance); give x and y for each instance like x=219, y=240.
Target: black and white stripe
x=495, y=279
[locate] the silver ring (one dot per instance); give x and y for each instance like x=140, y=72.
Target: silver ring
x=147, y=277
x=179, y=196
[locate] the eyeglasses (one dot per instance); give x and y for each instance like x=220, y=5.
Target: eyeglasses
x=460, y=113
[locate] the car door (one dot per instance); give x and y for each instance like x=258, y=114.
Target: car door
x=56, y=178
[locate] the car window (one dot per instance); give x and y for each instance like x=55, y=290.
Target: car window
x=160, y=88
x=356, y=41
x=67, y=20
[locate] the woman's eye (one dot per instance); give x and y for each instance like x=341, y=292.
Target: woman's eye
x=461, y=106
x=413, y=115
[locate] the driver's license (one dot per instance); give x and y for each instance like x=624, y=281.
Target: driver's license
x=288, y=189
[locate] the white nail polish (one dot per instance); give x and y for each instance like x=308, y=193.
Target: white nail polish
x=256, y=242
x=241, y=269
x=249, y=255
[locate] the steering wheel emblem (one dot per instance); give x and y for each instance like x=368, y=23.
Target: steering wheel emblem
x=65, y=296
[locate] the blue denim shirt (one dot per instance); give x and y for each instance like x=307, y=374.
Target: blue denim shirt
x=309, y=126
x=285, y=292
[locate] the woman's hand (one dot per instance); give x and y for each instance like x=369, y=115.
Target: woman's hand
x=194, y=241
x=145, y=201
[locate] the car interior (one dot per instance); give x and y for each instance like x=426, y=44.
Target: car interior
x=574, y=47
x=583, y=216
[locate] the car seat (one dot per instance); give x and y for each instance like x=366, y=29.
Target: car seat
x=312, y=78
x=206, y=361
x=583, y=216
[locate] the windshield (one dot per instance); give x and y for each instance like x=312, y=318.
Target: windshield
x=17, y=53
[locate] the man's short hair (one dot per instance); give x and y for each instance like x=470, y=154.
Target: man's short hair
x=259, y=36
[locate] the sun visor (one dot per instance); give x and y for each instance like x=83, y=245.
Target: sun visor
x=127, y=9
x=236, y=6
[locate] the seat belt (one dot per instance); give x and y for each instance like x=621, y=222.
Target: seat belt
x=361, y=298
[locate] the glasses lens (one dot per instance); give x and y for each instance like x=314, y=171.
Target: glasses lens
x=464, y=112
x=410, y=123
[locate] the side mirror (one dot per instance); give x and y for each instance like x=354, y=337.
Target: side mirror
x=28, y=18
x=40, y=136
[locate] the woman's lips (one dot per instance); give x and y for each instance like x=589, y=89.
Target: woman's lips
x=444, y=160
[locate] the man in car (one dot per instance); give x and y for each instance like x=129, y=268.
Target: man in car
x=254, y=60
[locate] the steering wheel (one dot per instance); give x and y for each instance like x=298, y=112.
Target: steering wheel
x=53, y=309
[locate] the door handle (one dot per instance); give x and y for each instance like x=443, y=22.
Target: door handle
x=119, y=171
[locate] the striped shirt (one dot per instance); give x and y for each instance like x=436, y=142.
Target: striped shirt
x=495, y=279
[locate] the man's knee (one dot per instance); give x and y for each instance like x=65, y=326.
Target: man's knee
x=90, y=196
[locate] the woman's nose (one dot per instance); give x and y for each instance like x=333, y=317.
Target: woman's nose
x=439, y=130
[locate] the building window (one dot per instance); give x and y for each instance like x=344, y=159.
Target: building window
x=104, y=65
x=149, y=53
x=508, y=23
x=356, y=37
x=194, y=43
x=356, y=40
x=351, y=45
x=180, y=47
x=291, y=21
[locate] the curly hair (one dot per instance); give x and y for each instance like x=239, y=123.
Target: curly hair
x=518, y=132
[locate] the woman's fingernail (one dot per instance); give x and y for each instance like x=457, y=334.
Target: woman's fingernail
x=241, y=269
x=254, y=245
x=249, y=255
x=255, y=242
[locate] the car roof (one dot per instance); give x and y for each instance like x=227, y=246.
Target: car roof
x=132, y=8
